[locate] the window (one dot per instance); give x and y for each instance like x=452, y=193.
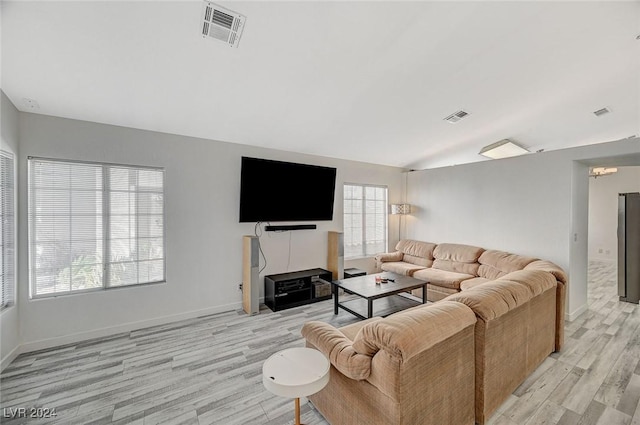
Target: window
x=365, y=220
x=7, y=229
x=94, y=226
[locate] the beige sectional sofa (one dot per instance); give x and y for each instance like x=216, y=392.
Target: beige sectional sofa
x=415, y=367
x=449, y=362
x=451, y=268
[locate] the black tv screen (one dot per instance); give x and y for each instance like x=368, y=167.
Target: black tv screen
x=285, y=191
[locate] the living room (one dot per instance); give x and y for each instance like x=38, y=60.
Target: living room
x=535, y=204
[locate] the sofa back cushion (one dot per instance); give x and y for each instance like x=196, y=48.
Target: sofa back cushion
x=457, y=258
x=407, y=333
x=495, y=264
x=537, y=281
x=493, y=299
x=416, y=252
x=550, y=267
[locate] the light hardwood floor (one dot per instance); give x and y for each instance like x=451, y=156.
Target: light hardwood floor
x=208, y=371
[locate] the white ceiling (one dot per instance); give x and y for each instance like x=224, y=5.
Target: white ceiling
x=367, y=81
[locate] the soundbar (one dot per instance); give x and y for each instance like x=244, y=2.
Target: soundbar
x=290, y=227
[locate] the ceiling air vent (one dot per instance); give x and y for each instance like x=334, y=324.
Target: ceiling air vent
x=457, y=116
x=221, y=24
x=601, y=112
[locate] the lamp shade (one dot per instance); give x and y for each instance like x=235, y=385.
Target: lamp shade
x=400, y=209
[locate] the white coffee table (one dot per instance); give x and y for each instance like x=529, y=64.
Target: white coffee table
x=296, y=372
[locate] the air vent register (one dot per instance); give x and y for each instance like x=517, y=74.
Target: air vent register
x=221, y=24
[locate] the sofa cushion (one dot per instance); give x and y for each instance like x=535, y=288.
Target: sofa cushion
x=550, y=267
x=416, y=248
x=457, y=252
x=472, y=283
x=537, y=281
x=435, y=292
x=493, y=299
x=416, y=252
x=457, y=258
x=400, y=267
x=444, y=278
x=410, y=332
x=495, y=264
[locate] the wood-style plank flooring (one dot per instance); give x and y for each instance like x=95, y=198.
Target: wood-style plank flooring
x=208, y=371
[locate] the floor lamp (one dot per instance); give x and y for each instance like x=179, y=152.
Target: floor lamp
x=400, y=209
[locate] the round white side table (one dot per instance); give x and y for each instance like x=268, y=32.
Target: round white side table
x=296, y=372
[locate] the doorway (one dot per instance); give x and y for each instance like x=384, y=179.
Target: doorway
x=602, y=275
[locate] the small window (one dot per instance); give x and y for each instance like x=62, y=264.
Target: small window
x=365, y=220
x=94, y=226
x=7, y=229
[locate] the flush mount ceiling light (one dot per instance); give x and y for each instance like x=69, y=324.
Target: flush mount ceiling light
x=601, y=171
x=502, y=149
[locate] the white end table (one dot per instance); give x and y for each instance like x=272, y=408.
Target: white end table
x=296, y=372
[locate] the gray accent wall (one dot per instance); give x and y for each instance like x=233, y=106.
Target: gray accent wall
x=203, y=235
x=536, y=205
x=9, y=323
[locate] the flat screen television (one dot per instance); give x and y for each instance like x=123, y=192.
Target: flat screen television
x=285, y=191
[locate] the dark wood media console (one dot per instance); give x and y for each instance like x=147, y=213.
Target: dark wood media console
x=287, y=290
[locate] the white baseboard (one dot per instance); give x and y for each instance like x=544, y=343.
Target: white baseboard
x=112, y=330
x=570, y=317
x=10, y=357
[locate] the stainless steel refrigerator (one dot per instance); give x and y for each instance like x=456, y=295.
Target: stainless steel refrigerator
x=629, y=247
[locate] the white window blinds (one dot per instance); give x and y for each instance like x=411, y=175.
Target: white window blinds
x=7, y=229
x=94, y=226
x=365, y=220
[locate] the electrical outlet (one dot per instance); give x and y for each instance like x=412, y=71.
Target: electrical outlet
x=240, y=286
x=608, y=252
x=600, y=251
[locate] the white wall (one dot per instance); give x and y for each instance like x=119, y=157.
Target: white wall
x=533, y=205
x=203, y=236
x=603, y=210
x=9, y=325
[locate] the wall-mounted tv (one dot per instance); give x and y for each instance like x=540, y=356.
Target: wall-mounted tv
x=285, y=191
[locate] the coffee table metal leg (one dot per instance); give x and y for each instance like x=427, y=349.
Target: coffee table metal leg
x=336, y=290
x=369, y=308
x=424, y=294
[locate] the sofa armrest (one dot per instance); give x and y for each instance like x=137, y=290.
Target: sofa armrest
x=549, y=267
x=561, y=294
x=389, y=256
x=386, y=257
x=338, y=348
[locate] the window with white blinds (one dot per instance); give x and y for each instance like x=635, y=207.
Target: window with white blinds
x=365, y=220
x=94, y=226
x=7, y=229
